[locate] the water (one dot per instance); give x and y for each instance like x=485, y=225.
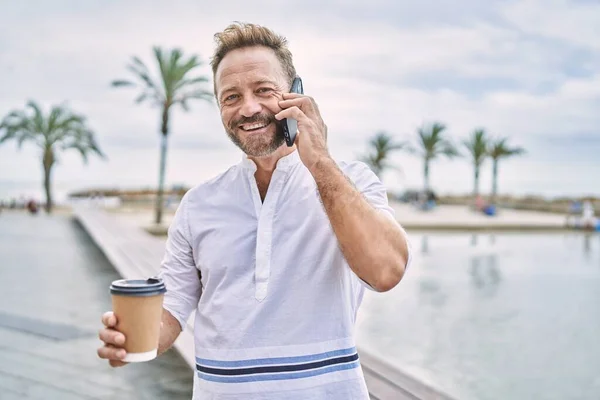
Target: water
x=505, y=316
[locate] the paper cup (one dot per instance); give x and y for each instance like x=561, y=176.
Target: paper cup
x=137, y=304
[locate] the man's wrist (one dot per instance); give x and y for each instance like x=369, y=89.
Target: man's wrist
x=322, y=167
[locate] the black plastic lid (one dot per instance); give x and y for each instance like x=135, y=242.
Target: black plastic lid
x=138, y=287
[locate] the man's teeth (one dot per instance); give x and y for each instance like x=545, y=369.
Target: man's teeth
x=253, y=126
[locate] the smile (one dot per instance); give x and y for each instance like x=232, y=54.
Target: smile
x=254, y=127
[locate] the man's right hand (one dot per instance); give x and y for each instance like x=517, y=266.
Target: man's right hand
x=113, y=340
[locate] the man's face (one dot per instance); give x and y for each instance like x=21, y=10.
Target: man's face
x=250, y=83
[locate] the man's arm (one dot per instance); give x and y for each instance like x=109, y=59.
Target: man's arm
x=169, y=331
x=374, y=246
x=184, y=289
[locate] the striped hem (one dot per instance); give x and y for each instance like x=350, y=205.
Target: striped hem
x=279, y=368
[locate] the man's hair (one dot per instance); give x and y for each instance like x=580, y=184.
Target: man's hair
x=240, y=35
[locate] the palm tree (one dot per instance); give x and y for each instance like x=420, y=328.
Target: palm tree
x=499, y=149
x=175, y=86
x=431, y=144
x=477, y=146
x=381, y=145
x=60, y=130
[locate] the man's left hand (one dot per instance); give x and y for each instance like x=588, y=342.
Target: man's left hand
x=311, y=139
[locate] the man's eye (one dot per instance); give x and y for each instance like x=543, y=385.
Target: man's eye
x=264, y=90
x=231, y=97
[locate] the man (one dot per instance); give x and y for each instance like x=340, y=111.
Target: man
x=274, y=254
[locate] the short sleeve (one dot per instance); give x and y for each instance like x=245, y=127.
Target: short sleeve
x=178, y=268
x=375, y=193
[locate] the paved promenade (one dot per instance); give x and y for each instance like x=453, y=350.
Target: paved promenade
x=444, y=217
x=462, y=218
x=54, y=290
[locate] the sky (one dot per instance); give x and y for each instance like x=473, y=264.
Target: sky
x=525, y=69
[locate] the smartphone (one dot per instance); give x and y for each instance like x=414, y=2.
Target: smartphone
x=289, y=125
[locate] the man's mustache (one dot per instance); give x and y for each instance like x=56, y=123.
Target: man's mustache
x=263, y=118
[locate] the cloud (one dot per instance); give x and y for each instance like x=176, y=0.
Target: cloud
x=526, y=69
x=573, y=22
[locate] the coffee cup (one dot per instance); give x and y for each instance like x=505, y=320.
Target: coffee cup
x=137, y=304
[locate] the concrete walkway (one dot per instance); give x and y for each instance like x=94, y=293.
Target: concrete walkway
x=462, y=218
x=54, y=290
x=444, y=217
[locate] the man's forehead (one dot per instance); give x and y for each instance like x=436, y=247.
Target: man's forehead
x=248, y=55
x=253, y=64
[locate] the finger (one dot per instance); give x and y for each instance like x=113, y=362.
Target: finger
x=111, y=353
x=303, y=103
x=109, y=319
x=292, y=112
x=287, y=96
x=110, y=336
x=296, y=96
x=298, y=101
x=116, y=363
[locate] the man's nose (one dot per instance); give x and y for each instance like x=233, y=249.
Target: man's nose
x=250, y=106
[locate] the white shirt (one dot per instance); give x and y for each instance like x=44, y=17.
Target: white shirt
x=276, y=303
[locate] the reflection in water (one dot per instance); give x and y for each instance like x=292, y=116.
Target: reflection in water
x=430, y=293
x=485, y=274
x=587, y=244
x=474, y=239
x=495, y=322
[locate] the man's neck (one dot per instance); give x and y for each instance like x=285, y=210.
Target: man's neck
x=267, y=164
x=265, y=167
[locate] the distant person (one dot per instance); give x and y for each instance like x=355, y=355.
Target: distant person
x=575, y=209
x=588, y=219
x=32, y=206
x=285, y=243
x=480, y=203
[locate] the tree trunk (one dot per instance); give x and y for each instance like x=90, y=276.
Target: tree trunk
x=494, y=180
x=163, y=162
x=48, y=162
x=476, y=186
x=426, y=174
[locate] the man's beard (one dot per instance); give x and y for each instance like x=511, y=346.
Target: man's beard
x=257, y=145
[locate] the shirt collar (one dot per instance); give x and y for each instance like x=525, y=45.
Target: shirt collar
x=284, y=163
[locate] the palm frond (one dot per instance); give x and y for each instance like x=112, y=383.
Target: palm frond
x=140, y=65
x=38, y=117
x=163, y=68
x=17, y=125
x=190, y=82
x=81, y=139
x=144, y=76
x=381, y=145
x=174, y=85
x=184, y=98
x=60, y=127
x=477, y=146
x=432, y=143
x=120, y=83
x=499, y=148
